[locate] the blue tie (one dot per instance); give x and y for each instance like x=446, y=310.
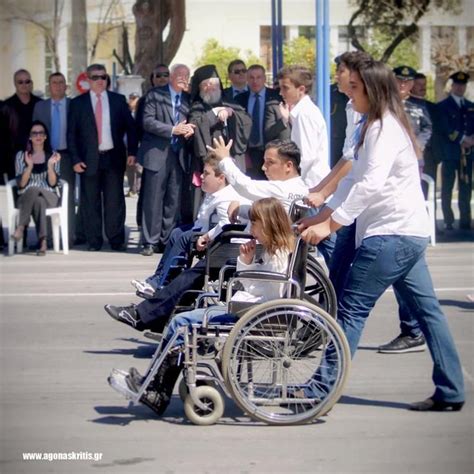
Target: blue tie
x=255, y=132
x=56, y=127
x=174, y=139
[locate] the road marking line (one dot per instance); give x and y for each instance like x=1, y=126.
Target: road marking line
x=460, y=289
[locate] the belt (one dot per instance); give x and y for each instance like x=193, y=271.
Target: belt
x=64, y=150
x=104, y=152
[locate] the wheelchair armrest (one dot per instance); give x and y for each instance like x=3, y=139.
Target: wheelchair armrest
x=260, y=275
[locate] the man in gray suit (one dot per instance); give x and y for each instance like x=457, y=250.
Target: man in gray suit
x=53, y=113
x=163, y=157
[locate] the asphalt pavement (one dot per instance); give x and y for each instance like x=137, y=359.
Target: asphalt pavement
x=57, y=347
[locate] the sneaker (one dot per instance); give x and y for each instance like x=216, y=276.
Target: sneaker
x=403, y=344
x=143, y=288
x=125, y=314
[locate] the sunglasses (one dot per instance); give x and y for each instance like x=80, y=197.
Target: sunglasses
x=37, y=134
x=162, y=74
x=26, y=81
x=240, y=71
x=102, y=77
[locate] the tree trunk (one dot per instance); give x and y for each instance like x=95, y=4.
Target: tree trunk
x=78, y=39
x=152, y=17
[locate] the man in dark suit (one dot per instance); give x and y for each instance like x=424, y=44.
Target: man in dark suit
x=338, y=122
x=255, y=102
x=98, y=122
x=457, y=141
x=53, y=113
x=237, y=73
x=164, y=158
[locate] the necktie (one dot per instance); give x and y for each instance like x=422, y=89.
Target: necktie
x=174, y=139
x=98, y=118
x=56, y=126
x=255, y=132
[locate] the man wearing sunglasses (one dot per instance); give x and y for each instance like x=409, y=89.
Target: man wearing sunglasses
x=237, y=72
x=20, y=108
x=97, y=124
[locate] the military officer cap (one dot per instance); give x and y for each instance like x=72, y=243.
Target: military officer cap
x=405, y=73
x=460, y=77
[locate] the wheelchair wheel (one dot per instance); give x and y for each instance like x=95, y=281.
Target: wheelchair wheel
x=214, y=406
x=183, y=388
x=319, y=288
x=276, y=377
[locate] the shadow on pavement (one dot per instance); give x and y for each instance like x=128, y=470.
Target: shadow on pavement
x=348, y=400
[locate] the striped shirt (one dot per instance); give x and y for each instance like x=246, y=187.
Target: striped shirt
x=39, y=174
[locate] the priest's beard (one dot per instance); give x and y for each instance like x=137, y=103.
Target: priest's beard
x=212, y=97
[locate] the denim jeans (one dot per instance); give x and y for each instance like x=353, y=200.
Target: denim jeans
x=217, y=314
x=382, y=261
x=179, y=245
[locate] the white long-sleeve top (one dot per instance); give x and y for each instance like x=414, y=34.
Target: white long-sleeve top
x=285, y=191
x=309, y=132
x=350, y=142
x=258, y=291
x=386, y=197
x=217, y=202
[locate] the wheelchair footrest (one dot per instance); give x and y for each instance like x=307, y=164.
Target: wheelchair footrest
x=117, y=381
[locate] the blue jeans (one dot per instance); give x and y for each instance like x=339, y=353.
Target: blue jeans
x=382, y=261
x=179, y=245
x=217, y=314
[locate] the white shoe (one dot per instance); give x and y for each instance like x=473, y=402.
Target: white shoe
x=143, y=287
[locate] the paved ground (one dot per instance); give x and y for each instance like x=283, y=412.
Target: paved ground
x=57, y=346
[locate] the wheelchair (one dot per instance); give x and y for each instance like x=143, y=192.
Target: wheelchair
x=266, y=361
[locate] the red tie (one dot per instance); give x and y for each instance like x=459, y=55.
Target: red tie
x=98, y=118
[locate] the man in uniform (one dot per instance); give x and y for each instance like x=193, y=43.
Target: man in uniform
x=457, y=141
x=418, y=115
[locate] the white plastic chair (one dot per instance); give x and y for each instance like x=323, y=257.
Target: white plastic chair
x=430, y=205
x=58, y=216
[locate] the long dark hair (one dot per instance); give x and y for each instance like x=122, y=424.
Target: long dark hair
x=382, y=91
x=46, y=145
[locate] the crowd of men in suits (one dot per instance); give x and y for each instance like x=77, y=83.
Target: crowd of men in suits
x=177, y=119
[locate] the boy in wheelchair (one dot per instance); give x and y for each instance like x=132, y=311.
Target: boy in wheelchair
x=270, y=225
x=282, y=168
x=179, y=249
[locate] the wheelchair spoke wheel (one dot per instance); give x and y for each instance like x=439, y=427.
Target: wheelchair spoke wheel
x=213, y=401
x=278, y=376
x=319, y=288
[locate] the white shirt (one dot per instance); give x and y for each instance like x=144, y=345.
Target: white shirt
x=107, y=142
x=286, y=191
x=218, y=202
x=386, y=197
x=259, y=290
x=344, y=186
x=309, y=132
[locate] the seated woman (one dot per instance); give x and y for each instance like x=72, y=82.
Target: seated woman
x=270, y=226
x=37, y=175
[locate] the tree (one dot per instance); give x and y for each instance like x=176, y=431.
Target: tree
x=154, y=18
x=395, y=19
x=13, y=11
x=301, y=51
x=221, y=56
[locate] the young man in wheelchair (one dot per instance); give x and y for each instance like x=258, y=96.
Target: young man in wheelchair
x=270, y=225
x=213, y=210
x=281, y=166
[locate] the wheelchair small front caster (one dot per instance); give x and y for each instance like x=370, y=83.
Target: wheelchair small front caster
x=214, y=402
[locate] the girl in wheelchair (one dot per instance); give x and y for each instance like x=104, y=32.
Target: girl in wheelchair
x=270, y=226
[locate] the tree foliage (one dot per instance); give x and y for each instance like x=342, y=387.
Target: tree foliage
x=301, y=51
x=221, y=56
x=395, y=19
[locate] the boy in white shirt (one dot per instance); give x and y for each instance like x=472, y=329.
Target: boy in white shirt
x=216, y=202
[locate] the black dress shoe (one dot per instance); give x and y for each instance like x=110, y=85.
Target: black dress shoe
x=79, y=241
x=436, y=405
x=147, y=251
x=118, y=247
x=94, y=248
x=159, y=248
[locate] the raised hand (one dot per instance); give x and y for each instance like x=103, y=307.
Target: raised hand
x=220, y=148
x=247, y=252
